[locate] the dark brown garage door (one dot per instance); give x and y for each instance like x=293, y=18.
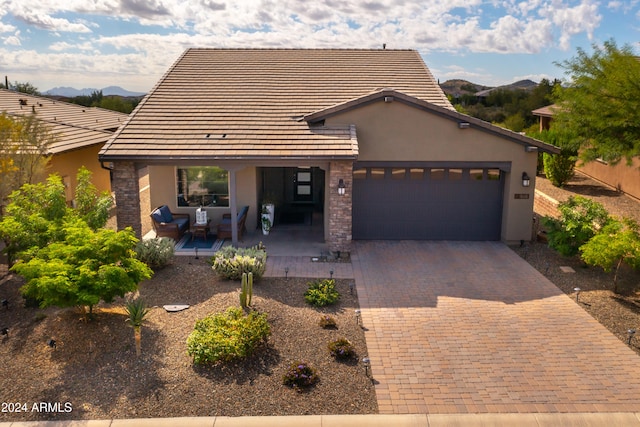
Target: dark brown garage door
x=427, y=203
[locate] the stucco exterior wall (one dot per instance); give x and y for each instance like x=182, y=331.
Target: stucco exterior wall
x=162, y=182
x=399, y=132
x=67, y=165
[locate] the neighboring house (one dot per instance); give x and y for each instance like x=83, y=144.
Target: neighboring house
x=364, y=137
x=623, y=177
x=80, y=134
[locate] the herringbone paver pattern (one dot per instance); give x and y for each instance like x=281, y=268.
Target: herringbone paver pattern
x=459, y=327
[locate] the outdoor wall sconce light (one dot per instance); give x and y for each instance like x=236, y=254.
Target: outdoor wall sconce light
x=577, y=294
x=463, y=125
x=341, y=187
x=526, y=181
x=366, y=362
x=631, y=333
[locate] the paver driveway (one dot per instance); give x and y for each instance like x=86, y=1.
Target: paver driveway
x=466, y=327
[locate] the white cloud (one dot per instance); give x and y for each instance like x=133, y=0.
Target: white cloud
x=459, y=27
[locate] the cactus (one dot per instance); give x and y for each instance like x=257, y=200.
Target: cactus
x=246, y=292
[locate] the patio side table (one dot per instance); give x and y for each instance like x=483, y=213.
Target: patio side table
x=200, y=228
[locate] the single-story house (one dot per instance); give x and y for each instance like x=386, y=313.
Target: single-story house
x=365, y=137
x=623, y=177
x=80, y=132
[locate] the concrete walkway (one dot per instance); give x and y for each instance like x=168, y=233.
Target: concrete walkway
x=459, y=327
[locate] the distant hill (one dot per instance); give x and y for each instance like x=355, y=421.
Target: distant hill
x=70, y=92
x=457, y=88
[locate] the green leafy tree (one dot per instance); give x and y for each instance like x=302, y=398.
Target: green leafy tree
x=91, y=206
x=601, y=106
x=83, y=268
x=34, y=217
x=616, y=243
x=580, y=219
x=24, y=152
x=25, y=87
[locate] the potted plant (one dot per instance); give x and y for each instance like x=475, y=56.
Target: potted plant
x=268, y=204
x=266, y=221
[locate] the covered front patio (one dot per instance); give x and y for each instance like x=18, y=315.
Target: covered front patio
x=311, y=217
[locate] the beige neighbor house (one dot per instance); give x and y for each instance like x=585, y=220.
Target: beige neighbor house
x=623, y=177
x=80, y=133
x=366, y=138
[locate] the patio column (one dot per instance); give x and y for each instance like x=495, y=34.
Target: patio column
x=126, y=187
x=340, y=206
x=233, y=204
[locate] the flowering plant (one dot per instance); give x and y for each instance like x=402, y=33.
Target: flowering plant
x=300, y=374
x=342, y=349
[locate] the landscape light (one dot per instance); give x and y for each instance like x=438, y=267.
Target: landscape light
x=366, y=362
x=577, y=293
x=286, y=272
x=631, y=333
x=51, y=343
x=357, y=311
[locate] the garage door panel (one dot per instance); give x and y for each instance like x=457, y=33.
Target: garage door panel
x=440, y=206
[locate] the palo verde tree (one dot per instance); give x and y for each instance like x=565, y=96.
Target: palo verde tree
x=600, y=107
x=24, y=148
x=617, y=242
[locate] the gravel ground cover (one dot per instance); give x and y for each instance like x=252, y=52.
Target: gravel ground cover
x=94, y=366
x=617, y=312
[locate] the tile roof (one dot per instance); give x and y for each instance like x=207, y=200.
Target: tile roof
x=546, y=111
x=75, y=126
x=247, y=103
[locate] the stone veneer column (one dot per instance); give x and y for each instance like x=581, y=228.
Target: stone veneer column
x=126, y=187
x=340, y=206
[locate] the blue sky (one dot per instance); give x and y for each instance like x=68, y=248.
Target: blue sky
x=131, y=43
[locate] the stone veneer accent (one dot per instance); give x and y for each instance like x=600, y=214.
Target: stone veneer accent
x=126, y=187
x=340, y=206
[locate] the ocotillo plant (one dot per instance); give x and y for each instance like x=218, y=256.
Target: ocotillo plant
x=246, y=292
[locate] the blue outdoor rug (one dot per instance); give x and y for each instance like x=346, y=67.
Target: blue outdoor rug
x=211, y=244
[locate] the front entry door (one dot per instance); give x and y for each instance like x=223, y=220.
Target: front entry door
x=303, y=185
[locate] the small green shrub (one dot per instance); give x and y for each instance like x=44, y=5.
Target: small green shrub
x=227, y=336
x=156, y=253
x=342, y=349
x=580, y=219
x=327, y=322
x=231, y=262
x=559, y=168
x=299, y=375
x=321, y=293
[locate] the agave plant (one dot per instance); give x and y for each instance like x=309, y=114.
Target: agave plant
x=137, y=311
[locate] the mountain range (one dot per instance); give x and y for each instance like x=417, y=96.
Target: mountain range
x=458, y=87
x=454, y=87
x=70, y=92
